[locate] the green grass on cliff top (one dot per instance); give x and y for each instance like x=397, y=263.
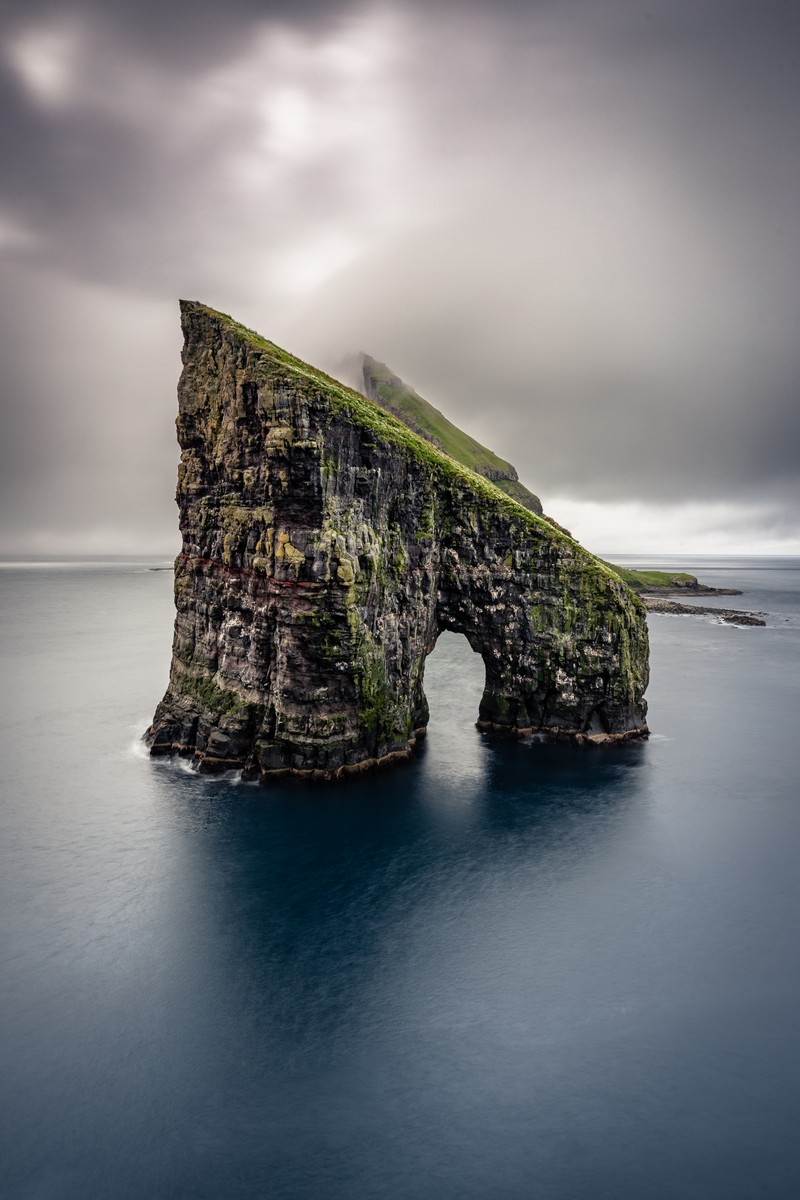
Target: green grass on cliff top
x=367, y=413
x=404, y=402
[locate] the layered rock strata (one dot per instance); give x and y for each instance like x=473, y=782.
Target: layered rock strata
x=326, y=546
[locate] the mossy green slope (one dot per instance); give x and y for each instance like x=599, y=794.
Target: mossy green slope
x=398, y=397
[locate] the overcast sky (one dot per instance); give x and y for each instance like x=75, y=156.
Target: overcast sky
x=571, y=224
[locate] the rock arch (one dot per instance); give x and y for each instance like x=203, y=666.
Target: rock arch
x=325, y=547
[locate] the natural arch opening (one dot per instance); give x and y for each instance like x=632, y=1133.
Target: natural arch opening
x=455, y=678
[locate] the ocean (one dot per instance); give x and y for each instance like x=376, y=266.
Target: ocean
x=505, y=971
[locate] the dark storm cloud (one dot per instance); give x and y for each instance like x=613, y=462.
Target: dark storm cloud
x=573, y=225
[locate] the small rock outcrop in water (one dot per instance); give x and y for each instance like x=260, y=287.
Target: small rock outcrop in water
x=727, y=616
x=326, y=546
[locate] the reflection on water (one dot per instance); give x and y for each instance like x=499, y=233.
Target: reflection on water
x=504, y=969
x=385, y=948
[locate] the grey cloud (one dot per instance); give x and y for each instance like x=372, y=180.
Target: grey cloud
x=88, y=440
x=571, y=225
x=183, y=33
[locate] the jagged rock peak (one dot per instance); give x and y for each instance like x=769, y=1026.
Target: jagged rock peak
x=326, y=546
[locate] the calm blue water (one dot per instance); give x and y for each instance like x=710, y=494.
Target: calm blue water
x=505, y=971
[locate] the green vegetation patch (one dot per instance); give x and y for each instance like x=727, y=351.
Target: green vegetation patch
x=640, y=581
x=213, y=698
x=401, y=399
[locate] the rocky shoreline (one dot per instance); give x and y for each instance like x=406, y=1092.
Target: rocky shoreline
x=658, y=603
x=694, y=588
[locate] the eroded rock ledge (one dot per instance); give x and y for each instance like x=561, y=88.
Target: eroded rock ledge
x=326, y=546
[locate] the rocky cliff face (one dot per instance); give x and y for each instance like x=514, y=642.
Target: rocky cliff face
x=326, y=546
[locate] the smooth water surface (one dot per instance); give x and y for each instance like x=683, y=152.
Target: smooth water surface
x=507, y=970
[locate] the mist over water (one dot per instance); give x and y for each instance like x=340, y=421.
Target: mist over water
x=505, y=969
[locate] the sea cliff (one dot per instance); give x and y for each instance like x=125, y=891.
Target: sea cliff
x=325, y=547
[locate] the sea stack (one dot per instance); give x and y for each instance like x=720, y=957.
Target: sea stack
x=326, y=546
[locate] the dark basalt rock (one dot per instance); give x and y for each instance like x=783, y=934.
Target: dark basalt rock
x=727, y=616
x=326, y=546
